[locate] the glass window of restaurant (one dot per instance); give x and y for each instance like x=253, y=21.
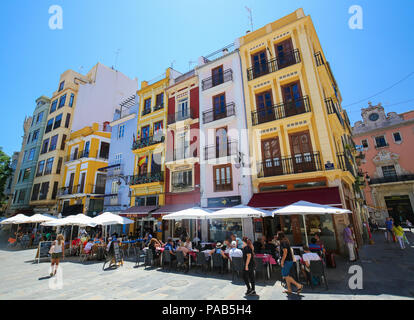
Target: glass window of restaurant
x=222, y=229
x=294, y=229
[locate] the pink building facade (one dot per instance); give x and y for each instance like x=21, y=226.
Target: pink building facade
x=388, y=162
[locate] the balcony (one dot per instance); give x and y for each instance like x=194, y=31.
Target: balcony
x=158, y=107
x=392, y=178
x=289, y=58
x=332, y=108
x=281, y=110
x=300, y=163
x=180, y=116
x=220, y=150
x=147, y=178
x=181, y=153
x=319, y=59
x=86, y=154
x=219, y=113
x=148, y=141
x=345, y=164
x=146, y=111
x=216, y=80
x=381, y=145
x=77, y=189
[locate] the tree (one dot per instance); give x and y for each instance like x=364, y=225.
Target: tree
x=5, y=172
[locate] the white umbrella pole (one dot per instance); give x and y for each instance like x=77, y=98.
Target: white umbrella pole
x=71, y=232
x=306, y=232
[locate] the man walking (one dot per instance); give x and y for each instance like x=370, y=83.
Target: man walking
x=388, y=227
x=350, y=242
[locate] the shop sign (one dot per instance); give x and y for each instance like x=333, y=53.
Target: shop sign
x=224, y=202
x=329, y=166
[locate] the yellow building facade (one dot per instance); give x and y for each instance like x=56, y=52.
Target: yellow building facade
x=83, y=184
x=300, y=137
x=148, y=183
x=58, y=128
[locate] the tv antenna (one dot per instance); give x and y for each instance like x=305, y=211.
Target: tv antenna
x=116, y=57
x=250, y=16
x=190, y=63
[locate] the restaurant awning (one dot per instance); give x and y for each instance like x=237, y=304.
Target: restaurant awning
x=266, y=200
x=138, y=211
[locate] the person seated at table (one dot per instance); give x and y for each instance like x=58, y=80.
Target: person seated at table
x=88, y=246
x=306, y=258
x=259, y=245
x=219, y=249
x=188, y=244
x=170, y=246
x=234, y=251
x=153, y=246
x=238, y=241
x=320, y=242
x=270, y=247
x=183, y=248
x=314, y=247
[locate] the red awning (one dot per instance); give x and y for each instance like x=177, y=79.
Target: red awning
x=327, y=196
x=138, y=211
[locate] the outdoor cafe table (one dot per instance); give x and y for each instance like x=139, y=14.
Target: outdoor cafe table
x=268, y=260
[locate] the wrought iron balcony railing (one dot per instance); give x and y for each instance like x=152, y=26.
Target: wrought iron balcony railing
x=393, y=178
x=319, y=59
x=345, y=163
x=299, y=163
x=289, y=58
x=181, y=154
x=158, y=107
x=180, y=116
x=221, y=150
x=281, y=110
x=332, y=108
x=147, y=178
x=218, y=113
x=86, y=154
x=217, y=79
x=148, y=141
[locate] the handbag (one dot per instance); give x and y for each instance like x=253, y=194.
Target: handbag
x=52, y=248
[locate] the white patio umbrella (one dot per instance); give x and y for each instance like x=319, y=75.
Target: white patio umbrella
x=241, y=212
x=17, y=219
x=109, y=218
x=39, y=218
x=304, y=208
x=191, y=213
x=80, y=220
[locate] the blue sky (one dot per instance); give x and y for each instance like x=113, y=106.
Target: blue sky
x=153, y=34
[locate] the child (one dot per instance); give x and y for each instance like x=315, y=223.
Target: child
x=399, y=233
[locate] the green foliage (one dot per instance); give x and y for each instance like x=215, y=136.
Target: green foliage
x=5, y=173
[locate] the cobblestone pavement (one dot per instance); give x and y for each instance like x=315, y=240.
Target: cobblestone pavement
x=387, y=270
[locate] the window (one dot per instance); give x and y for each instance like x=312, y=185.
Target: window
x=388, y=171
x=20, y=175
x=183, y=111
x=364, y=143
x=53, y=143
x=40, y=167
x=35, y=193
x=39, y=117
x=114, y=187
x=55, y=190
x=217, y=75
x=147, y=106
x=67, y=122
x=118, y=158
x=121, y=131
x=181, y=180
x=158, y=127
x=62, y=145
x=59, y=165
x=62, y=101
x=222, y=178
x=58, y=121
x=22, y=195
x=397, y=137
x=159, y=99
x=380, y=141
x=49, y=126
x=53, y=106
x=24, y=156
x=26, y=174
x=45, y=145
x=33, y=120
x=61, y=86
x=49, y=165
x=72, y=97
x=28, y=138
x=35, y=135
x=44, y=190
x=31, y=154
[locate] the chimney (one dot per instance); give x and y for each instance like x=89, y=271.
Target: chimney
x=225, y=51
